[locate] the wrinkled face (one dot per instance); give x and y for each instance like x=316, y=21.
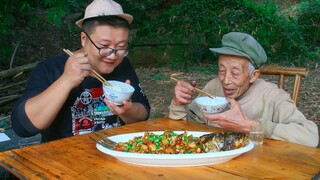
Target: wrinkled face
x=105, y=36
x=234, y=75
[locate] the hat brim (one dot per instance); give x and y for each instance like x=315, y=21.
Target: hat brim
x=127, y=17
x=229, y=51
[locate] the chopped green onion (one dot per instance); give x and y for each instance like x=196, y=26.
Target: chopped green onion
x=129, y=146
x=139, y=141
x=173, y=134
x=151, y=137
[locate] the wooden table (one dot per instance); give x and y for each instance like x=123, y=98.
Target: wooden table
x=78, y=158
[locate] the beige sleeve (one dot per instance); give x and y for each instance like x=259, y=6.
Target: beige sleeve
x=281, y=118
x=294, y=127
x=177, y=112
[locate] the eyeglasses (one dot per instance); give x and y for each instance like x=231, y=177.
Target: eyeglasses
x=106, y=51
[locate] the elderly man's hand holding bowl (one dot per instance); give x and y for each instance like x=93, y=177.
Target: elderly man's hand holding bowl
x=211, y=105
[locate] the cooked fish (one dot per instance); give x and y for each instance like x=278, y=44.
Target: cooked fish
x=223, y=141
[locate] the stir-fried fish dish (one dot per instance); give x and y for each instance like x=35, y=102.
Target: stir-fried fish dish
x=223, y=141
x=171, y=143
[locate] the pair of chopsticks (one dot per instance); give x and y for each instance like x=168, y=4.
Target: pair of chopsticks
x=94, y=73
x=196, y=89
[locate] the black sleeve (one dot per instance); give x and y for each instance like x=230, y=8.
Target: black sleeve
x=21, y=124
x=43, y=75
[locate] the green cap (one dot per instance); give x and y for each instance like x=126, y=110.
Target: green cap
x=244, y=45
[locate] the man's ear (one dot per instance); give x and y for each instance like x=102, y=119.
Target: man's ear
x=255, y=75
x=83, y=38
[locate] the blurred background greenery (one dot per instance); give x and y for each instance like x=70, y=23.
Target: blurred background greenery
x=177, y=33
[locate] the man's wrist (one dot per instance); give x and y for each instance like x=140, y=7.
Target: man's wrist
x=176, y=102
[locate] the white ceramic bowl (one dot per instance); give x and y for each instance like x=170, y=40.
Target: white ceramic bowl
x=212, y=106
x=118, y=92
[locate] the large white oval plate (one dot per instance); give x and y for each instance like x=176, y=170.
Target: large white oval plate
x=172, y=160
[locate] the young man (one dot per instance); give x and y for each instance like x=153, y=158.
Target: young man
x=62, y=99
x=251, y=99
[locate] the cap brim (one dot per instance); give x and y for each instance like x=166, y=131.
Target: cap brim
x=229, y=51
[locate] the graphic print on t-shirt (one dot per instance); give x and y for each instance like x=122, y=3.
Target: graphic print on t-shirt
x=90, y=113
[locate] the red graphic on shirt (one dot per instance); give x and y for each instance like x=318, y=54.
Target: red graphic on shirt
x=96, y=92
x=84, y=125
x=80, y=105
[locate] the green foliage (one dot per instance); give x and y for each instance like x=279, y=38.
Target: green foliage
x=139, y=9
x=309, y=21
x=158, y=75
x=204, y=22
x=15, y=14
x=181, y=31
x=6, y=20
x=54, y=15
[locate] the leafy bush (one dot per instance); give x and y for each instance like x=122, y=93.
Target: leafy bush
x=309, y=20
x=202, y=23
x=15, y=14
x=180, y=31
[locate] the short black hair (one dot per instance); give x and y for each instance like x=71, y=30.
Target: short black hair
x=89, y=24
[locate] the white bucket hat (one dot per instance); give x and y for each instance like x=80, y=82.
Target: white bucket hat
x=104, y=8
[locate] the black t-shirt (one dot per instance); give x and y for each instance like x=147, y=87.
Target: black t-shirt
x=84, y=110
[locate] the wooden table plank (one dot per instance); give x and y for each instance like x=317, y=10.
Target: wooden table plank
x=78, y=158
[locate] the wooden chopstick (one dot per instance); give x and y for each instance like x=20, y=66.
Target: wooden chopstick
x=94, y=73
x=197, y=90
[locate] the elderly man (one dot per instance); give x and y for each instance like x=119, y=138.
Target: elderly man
x=251, y=99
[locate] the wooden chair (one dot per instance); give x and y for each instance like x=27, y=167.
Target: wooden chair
x=296, y=72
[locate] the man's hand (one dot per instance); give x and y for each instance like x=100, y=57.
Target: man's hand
x=233, y=119
x=183, y=92
x=119, y=110
x=76, y=69
x=129, y=112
